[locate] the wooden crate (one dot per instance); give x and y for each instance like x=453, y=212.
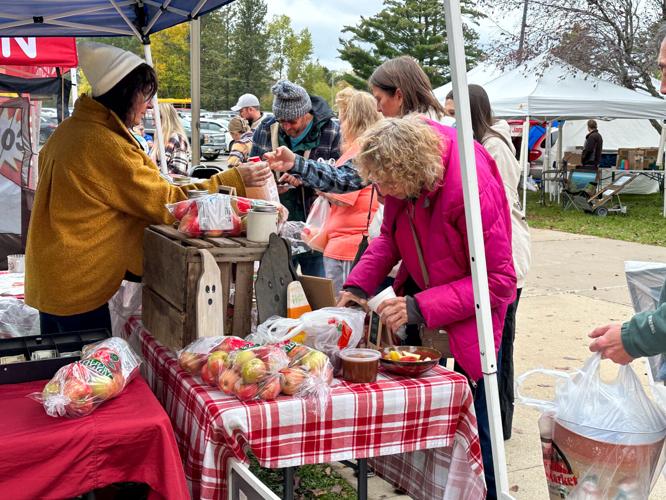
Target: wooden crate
x=172, y=267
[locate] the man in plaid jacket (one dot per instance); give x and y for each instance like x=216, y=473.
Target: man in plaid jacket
x=305, y=124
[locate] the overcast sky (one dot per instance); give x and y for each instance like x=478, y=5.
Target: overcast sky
x=326, y=19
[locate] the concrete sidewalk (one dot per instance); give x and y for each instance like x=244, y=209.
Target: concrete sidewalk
x=575, y=284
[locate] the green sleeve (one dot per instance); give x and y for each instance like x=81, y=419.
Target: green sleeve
x=645, y=333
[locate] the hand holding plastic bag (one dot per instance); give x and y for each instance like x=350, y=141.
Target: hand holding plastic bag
x=314, y=232
x=599, y=438
x=78, y=388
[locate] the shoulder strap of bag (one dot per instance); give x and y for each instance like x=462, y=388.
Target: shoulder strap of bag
x=275, y=141
x=367, y=224
x=419, y=252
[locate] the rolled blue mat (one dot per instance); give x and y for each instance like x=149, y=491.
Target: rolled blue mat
x=582, y=179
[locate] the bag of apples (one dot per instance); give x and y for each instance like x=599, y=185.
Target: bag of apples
x=216, y=215
x=195, y=356
x=102, y=373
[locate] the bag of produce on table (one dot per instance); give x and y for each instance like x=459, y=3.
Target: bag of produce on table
x=78, y=388
x=217, y=215
x=194, y=357
x=253, y=371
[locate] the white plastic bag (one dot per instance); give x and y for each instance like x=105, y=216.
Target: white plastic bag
x=314, y=234
x=125, y=303
x=328, y=330
x=599, y=438
x=17, y=319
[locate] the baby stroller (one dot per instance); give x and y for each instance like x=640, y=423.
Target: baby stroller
x=595, y=199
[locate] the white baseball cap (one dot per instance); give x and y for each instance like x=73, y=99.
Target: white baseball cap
x=246, y=101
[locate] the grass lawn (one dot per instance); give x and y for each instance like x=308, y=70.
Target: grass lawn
x=643, y=222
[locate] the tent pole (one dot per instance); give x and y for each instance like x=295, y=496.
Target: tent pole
x=75, y=85
x=159, y=139
x=546, y=156
x=475, y=240
x=660, y=160
x=524, y=160
x=195, y=92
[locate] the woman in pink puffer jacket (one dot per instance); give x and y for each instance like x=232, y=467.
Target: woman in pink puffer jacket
x=414, y=163
x=398, y=157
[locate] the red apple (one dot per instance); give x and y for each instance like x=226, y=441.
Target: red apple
x=245, y=392
x=292, y=380
x=253, y=371
x=270, y=388
x=79, y=408
x=191, y=362
x=227, y=380
x=181, y=208
x=217, y=362
x=206, y=375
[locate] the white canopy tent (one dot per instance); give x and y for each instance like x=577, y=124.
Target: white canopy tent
x=142, y=17
x=548, y=89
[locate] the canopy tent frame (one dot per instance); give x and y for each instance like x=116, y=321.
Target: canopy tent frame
x=475, y=241
x=26, y=27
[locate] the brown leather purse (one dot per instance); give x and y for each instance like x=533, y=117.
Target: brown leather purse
x=430, y=337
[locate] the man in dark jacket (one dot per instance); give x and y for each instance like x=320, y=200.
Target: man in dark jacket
x=305, y=125
x=591, y=156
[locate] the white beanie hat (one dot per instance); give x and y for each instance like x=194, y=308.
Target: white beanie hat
x=104, y=65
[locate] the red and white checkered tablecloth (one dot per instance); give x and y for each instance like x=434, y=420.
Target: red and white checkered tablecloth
x=421, y=432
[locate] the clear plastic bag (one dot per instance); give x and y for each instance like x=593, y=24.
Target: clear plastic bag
x=599, y=439
x=124, y=304
x=291, y=231
x=17, y=319
x=250, y=371
x=217, y=215
x=195, y=355
x=78, y=388
x=328, y=330
x=314, y=234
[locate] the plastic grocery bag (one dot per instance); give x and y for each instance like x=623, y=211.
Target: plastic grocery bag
x=78, y=388
x=328, y=330
x=314, y=234
x=599, y=439
x=17, y=319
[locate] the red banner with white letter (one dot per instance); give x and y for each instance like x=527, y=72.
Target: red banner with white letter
x=38, y=51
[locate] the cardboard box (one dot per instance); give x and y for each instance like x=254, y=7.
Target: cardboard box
x=573, y=158
x=636, y=158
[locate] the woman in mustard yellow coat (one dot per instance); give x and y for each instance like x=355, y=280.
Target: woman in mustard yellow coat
x=97, y=192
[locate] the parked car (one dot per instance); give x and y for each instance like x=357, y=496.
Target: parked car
x=47, y=124
x=213, y=141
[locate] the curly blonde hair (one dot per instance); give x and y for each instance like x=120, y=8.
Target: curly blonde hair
x=357, y=111
x=401, y=152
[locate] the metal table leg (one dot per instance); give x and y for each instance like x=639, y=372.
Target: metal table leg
x=288, y=482
x=362, y=479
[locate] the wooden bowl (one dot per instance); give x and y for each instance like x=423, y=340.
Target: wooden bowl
x=410, y=368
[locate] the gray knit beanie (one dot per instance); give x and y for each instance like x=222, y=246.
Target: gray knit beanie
x=290, y=101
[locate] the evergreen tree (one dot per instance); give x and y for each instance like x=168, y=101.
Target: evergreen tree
x=406, y=27
x=216, y=32
x=249, y=58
